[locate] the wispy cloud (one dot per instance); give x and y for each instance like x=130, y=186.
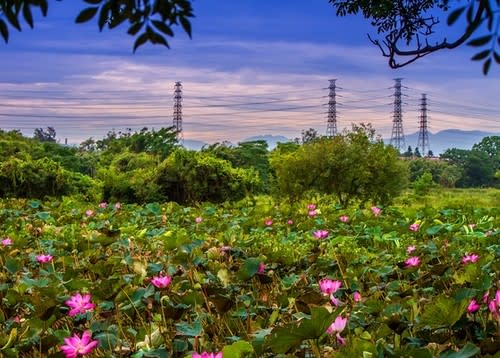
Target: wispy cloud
x=233, y=89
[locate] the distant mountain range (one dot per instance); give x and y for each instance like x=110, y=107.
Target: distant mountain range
x=439, y=142
x=272, y=141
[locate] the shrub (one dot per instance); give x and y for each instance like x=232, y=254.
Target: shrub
x=351, y=166
x=189, y=176
x=39, y=178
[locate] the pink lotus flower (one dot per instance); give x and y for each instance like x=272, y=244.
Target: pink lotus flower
x=311, y=207
x=118, y=206
x=472, y=226
x=89, y=213
x=410, y=249
x=320, y=234
x=103, y=205
x=488, y=233
x=312, y=213
x=198, y=219
x=79, y=304
x=44, y=258
x=344, y=218
x=290, y=222
x=76, y=346
x=337, y=326
x=161, y=281
x=414, y=227
x=494, y=306
x=328, y=286
x=356, y=296
x=467, y=259
x=376, y=210
x=413, y=261
x=472, y=307
x=262, y=268
x=268, y=222
x=7, y=241
x=207, y=355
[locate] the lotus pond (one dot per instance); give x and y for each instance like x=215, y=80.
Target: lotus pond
x=257, y=278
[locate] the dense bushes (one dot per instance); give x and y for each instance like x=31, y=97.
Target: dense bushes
x=188, y=176
x=130, y=178
x=185, y=177
x=42, y=177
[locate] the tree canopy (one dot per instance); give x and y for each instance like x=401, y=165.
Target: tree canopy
x=406, y=29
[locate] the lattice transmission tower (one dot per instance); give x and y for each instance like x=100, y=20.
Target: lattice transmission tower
x=397, y=136
x=331, y=127
x=177, y=118
x=423, y=133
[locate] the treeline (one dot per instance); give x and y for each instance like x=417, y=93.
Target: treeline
x=149, y=165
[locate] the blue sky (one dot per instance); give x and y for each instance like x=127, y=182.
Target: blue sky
x=253, y=67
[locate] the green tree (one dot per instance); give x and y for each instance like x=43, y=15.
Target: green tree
x=353, y=166
x=28, y=178
x=408, y=153
x=479, y=169
x=406, y=29
x=251, y=154
x=450, y=175
x=193, y=177
x=45, y=135
x=490, y=146
x=130, y=178
x=307, y=136
x=287, y=147
x=442, y=171
x=455, y=155
x=478, y=166
x=159, y=142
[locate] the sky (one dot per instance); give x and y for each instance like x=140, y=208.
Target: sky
x=252, y=67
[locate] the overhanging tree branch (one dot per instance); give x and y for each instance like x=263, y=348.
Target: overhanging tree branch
x=391, y=42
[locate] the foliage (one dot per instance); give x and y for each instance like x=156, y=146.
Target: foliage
x=407, y=28
x=351, y=166
x=307, y=136
x=151, y=21
x=130, y=178
x=423, y=184
x=231, y=288
x=48, y=135
x=250, y=154
x=478, y=164
x=490, y=146
x=37, y=178
x=443, y=172
x=189, y=177
x=161, y=142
